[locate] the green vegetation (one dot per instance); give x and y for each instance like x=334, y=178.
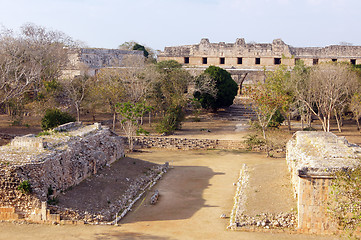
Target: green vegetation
x=130, y=114
x=345, y=204
x=141, y=48
x=226, y=89
x=54, y=118
x=53, y=201
x=171, y=121
x=168, y=95
x=25, y=187
x=276, y=120
x=253, y=141
x=43, y=133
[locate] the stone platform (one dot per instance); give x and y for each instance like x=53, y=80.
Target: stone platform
x=313, y=158
x=50, y=164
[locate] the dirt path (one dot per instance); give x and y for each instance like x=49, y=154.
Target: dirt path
x=192, y=197
x=271, y=189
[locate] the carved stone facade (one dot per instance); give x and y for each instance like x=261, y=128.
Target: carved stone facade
x=257, y=56
x=93, y=59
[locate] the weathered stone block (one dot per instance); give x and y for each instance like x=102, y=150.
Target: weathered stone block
x=313, y=158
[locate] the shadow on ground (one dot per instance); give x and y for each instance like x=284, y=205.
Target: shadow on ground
x=128, y=236
x=181, y=195
x=100, y=191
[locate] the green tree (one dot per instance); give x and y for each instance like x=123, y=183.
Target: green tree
x=171, y=121
x=267, y=99
x=54, y=118
x=141, y=48
x=130, y=115
x=168, y=94
x=148, y=52
x=225, y=86
x=278, y=81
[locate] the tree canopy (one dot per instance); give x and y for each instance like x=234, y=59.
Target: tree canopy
x=225, y=86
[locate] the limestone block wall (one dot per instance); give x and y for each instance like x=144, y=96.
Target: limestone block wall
x=312, y=159
x=313, y=195
x=242, y=55
x=58, y=167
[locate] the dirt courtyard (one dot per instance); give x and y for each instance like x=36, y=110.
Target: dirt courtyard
x=193, y=195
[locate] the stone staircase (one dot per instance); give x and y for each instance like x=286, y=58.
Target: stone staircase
x=237, y=112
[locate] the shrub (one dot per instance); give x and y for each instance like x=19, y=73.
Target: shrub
x=225, y=86
x=25, y=187
x=277, y=120
x=345, y=204
x=53, y=201
x=171, y=121
x=54, y=118
x=253, y=141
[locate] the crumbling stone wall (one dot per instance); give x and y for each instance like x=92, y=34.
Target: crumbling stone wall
x=242, y=55
x=65, y=160
x=95, y=59
x=312, y=159
x=187, y=144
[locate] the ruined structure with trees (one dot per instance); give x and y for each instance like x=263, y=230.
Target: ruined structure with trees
x=246, y=61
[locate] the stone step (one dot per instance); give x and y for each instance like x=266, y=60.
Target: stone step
x=8, y=213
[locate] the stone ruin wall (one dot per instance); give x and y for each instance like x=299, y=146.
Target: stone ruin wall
x=59, y=167
x=187, y=143
x=312, y=159
x=267, y=53
x=95, y=59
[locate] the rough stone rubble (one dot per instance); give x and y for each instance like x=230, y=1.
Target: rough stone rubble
x=54, y=163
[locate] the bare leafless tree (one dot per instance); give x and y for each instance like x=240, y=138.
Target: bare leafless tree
x=30, y=58
x=76, y=89
x=329, y=86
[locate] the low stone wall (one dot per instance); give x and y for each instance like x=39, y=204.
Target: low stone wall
x=64, y=161
x=313, y=158
x=187, y=143
x=67, y=126
x=28, y=142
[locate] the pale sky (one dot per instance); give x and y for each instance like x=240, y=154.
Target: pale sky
x=161, y=23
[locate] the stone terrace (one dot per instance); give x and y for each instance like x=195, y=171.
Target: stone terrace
x=57, y=162
x=313, y=158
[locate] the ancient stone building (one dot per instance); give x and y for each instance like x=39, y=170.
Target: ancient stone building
x=246, y=61
x=93, y=59
x=257, y=56
x=49, y=165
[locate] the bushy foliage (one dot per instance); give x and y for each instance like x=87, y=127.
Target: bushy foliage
x=345, y=204
x=226, y=89
x=253, y=141
x=130, y=115
x=25, y=187
x=139, y=47
x=276, y=120
x=55, y=117
x=171, y=121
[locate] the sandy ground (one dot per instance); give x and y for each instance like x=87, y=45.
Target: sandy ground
x=192, y=197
